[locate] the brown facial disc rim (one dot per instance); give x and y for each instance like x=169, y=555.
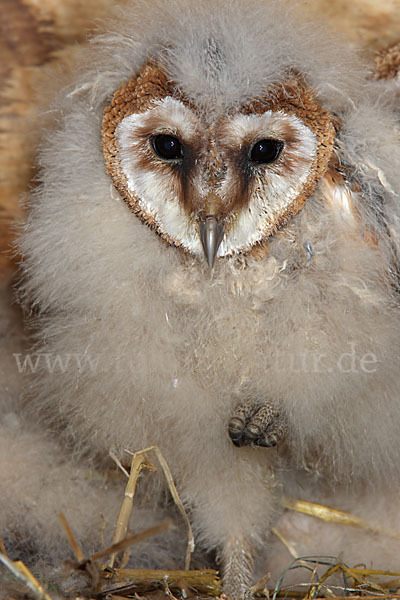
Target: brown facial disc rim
x=293, y=97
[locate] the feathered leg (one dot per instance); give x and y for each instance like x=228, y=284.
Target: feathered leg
x=236, y=559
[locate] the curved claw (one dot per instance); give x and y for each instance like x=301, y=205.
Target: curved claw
x=235, y=430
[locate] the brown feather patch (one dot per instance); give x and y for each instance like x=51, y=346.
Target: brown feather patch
x=387, y=63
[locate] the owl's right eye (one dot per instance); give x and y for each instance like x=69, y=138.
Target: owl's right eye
x=167, y=146
x=266, y=151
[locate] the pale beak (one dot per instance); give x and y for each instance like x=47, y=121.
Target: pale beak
x=211, y=234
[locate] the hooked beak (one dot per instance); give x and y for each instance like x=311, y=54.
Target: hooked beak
x=211, y=234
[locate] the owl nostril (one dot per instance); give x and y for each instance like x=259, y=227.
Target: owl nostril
x=213, y=204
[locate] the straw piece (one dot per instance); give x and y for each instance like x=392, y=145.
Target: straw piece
x=332, y=515
x=167, y=590
x=375, y=572
x=360, y=577
x=118, y=463
x=71, y=538
x=317, y=583
x=325, y=513
x=138, y=463
x=291, y=549
x=260, y=586
x=23, y=574
x=175, y=496
x=133, y=539
x=3, y=548
x=357, y=575
x=204, y=581
x=327, y=574
x=294, y=594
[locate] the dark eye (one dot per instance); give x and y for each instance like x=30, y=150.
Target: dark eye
x=167, y=146
x=266, y=151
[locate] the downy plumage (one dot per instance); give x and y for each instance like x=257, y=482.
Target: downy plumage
x=301, y=315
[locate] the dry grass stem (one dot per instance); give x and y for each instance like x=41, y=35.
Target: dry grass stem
x=124, y=581
x=332, y=515
x=138, y=463
x=355, y=581
x=23, y=574
x=365, y=596
x=205, y=581
x=260, y=585
x=133, y=539
x=118, y=463
x=175, y=496
x=71, y=538
x=285, y=542
x=2, y=547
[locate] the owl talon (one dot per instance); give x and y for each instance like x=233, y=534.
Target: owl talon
x=257, y=425
x=253, y=431
x=236, y=426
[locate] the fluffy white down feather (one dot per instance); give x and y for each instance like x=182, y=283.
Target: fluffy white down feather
x=173, y=345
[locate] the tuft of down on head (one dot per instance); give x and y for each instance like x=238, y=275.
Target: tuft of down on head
x=222, y=58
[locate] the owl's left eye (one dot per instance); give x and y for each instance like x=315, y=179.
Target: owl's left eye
x=266, y=151
x=167, y=146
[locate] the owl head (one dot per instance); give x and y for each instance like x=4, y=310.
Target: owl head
x=220, y=182
x=221, y=133
x=195, y=132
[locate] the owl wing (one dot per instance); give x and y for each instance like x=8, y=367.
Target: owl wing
x=364, y=183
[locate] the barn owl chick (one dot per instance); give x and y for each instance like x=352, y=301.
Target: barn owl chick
x=216, y=234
